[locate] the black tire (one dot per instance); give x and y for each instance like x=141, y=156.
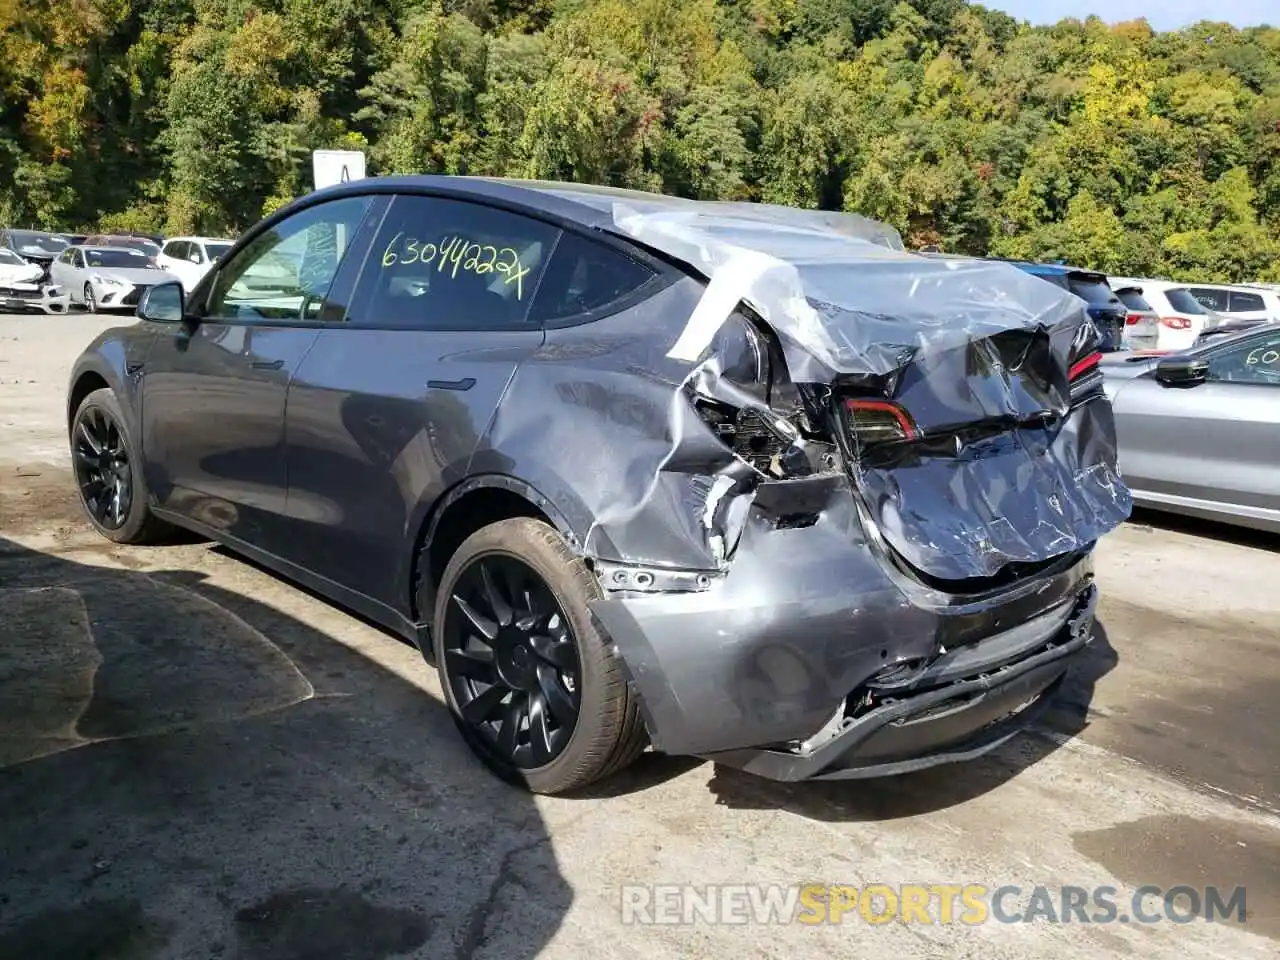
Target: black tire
x=135, y=523
x=608, y=734
x=90, y=302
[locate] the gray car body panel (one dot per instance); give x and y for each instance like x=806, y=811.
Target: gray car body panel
x=1209, y=450
x=749, y=608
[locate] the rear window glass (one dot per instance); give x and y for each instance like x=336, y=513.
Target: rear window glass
x=1246, y=303
x=585, y=276
x=1183, y=302
x=1133, y=300
x=1094, y=292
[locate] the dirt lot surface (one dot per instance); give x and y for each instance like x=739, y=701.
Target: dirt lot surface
x=199, y=760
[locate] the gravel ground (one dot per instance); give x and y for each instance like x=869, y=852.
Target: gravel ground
x=200, y=760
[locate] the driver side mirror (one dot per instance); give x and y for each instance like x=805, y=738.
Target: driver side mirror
x=163, y=303
x=196, y=258
x=1182, y=371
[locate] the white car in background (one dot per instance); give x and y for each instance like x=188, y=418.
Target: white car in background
x=1182, y=317
x=106, y=278
x=189, y=258
x=22, y=287
x=1238, y=302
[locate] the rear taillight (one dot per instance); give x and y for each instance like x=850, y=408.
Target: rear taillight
x=1133, y=319
x=1176, y=323
x=879, y=421
x=1083, y=367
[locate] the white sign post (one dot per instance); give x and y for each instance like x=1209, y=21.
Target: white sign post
x=337, y=166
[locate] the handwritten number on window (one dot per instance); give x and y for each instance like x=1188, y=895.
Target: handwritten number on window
x=453, y=254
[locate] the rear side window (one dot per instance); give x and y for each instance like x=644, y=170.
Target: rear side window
x=1212, y=299
x=1133, y=300
x=177, y=249
x=586, y=277
x=1094, y=292
x=1183, y=302
x=1245, y=303
x=440, y=264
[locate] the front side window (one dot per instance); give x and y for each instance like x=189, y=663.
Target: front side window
x=439, y=264
x=285, y=272
x=1256, y=361
x=176, y=249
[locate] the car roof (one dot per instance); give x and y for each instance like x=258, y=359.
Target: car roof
x=185, y=239
x=594, y=208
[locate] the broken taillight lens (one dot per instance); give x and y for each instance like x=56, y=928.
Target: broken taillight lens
x=1084, y=366
x=879, y=421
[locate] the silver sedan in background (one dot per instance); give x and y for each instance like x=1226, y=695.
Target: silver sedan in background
x=106, y=278
x=1199, y=431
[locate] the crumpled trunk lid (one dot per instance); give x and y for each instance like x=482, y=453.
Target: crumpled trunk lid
x=1003, y=468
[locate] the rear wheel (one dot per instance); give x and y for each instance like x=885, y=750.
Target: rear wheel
x=90, y=302
x=530, y=681
x=108, y=472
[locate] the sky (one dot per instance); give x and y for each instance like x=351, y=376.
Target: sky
x=1161, y=14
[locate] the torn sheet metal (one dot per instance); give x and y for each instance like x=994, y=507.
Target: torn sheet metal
x=976, y=353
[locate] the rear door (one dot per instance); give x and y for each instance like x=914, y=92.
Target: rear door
x=389, y=405
x=1217, y=442
x=214, y=387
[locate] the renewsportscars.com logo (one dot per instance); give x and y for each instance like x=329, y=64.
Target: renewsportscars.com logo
x=969, y=904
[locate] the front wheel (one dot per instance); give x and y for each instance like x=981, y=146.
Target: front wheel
x=532, y=684
x=90, y=302
x=108, y=473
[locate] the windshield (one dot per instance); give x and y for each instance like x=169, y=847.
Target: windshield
x=9, y=257
x=1133, y=300
x=125, y=258
x=1184, y=302
x=137, y=243
x=217, y=250
x=29, y=241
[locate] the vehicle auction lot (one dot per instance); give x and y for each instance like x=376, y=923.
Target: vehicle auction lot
x=198, y=759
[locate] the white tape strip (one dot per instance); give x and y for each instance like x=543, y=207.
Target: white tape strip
x=729, y=285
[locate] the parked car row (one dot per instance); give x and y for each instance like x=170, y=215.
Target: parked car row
x=48, y=272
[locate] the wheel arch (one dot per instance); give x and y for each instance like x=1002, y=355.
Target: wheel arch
x=467, y=507
x=85, y=383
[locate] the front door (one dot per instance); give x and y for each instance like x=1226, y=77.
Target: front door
x=214, y=387
x=389, y=406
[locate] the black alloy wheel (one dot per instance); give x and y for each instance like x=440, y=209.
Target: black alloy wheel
x=102, y=467
x=511, y=662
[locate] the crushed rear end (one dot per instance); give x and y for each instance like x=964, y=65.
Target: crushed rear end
x=855, y=539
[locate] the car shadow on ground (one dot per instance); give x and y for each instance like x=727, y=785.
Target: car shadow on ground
x=930, y=790
x=1144, y=518
x=190, y=772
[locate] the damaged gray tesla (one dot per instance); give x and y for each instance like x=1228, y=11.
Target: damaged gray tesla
x=743, y=482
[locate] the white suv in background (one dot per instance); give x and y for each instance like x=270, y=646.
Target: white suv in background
x=1182, y=317
x=1239, y=302
x=189, y=258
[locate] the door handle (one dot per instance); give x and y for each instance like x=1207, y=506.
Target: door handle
x=267, y=364
x=466, y=383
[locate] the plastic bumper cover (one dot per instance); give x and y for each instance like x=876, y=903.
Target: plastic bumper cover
x=754, y=668
x=957, y=721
